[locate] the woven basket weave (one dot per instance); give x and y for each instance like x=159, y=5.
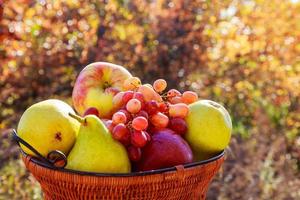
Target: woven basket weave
x=182, y=182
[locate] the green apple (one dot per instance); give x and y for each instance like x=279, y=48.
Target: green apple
x=209, y=128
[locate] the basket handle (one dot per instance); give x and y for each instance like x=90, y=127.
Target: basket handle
x=55, y=159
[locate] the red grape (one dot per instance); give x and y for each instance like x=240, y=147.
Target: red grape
x=178, y=110
x=163, y=107
x=151, y=107
x=128, y=115
x=140, y=123
x=189, y=97
x=134, y=153
x=149, y=93
x=118, y=100
x=175, y=100
x=173, y=93
x=127, y=96
x=119, y=117
x=159, y=120
x=126, y=140
x=120, y=131
x=109, y=125
x=139, y=96
x=178, y=125
x=91, y=111
x=131, y=83
x=133, y=106
x=159, y=85
x=138, y=138
x=142, y=113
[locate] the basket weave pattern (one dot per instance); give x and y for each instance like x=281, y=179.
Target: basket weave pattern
x=183, y=183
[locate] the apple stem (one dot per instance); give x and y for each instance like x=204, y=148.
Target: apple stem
x=78, y=118
x=106, y=85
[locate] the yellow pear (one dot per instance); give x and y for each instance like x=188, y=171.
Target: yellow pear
x=47, y=126
x=95, y=150
x=209, y=128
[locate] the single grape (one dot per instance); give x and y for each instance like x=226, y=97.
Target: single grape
x=159, y=120
x=118, y=100
x=91, y=111
x=128, y=115
x=178, y=110
x=119, y=117
x=159, y=85
x=151, y=107
x=142, y=113
x=173, y=93
x=178, y=125
x=138, y=138
x=127, y=96
x=149, y=93
x=163, y=107
x=175, y=100
x=133, y=106
x=131, y=83
x=126, y=140
x=134, y=153
x=139, y=96
x=109, y=125
x=189, y=97
x=120, y=131
x=140, y=123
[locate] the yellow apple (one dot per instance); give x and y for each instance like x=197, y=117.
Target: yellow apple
x=47, y=126
x=209, y=128
x=96, y=85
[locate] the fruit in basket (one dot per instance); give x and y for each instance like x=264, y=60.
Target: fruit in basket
x=95, y=150
x=209, y=128
x=149, y=93
x=131, y=83
x=178, y=125
x=47, y=126
x=166, y=149
x=96, y=85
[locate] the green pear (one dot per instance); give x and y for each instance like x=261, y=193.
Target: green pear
x=209, y=128
x=95, y=150
x=47, y=126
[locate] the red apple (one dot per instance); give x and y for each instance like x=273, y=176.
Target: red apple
x=96, y=85
x=166, y=149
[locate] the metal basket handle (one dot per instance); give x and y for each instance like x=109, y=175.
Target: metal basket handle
x=55, y=159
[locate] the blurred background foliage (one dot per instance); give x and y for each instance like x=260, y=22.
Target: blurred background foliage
x=242, y=53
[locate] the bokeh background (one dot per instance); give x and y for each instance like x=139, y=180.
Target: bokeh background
x=244, y=54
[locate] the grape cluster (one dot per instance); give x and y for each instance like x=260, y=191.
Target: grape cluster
x=142, y=109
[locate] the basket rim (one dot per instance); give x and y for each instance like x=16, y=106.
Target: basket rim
x=142, y=173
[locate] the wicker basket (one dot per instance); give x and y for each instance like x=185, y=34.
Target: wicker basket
x=181, y=182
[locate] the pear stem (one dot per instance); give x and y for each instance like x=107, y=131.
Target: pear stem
x=78, y=118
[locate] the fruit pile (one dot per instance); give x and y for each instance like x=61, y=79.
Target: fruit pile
x=142, y=109
x=123, y=125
